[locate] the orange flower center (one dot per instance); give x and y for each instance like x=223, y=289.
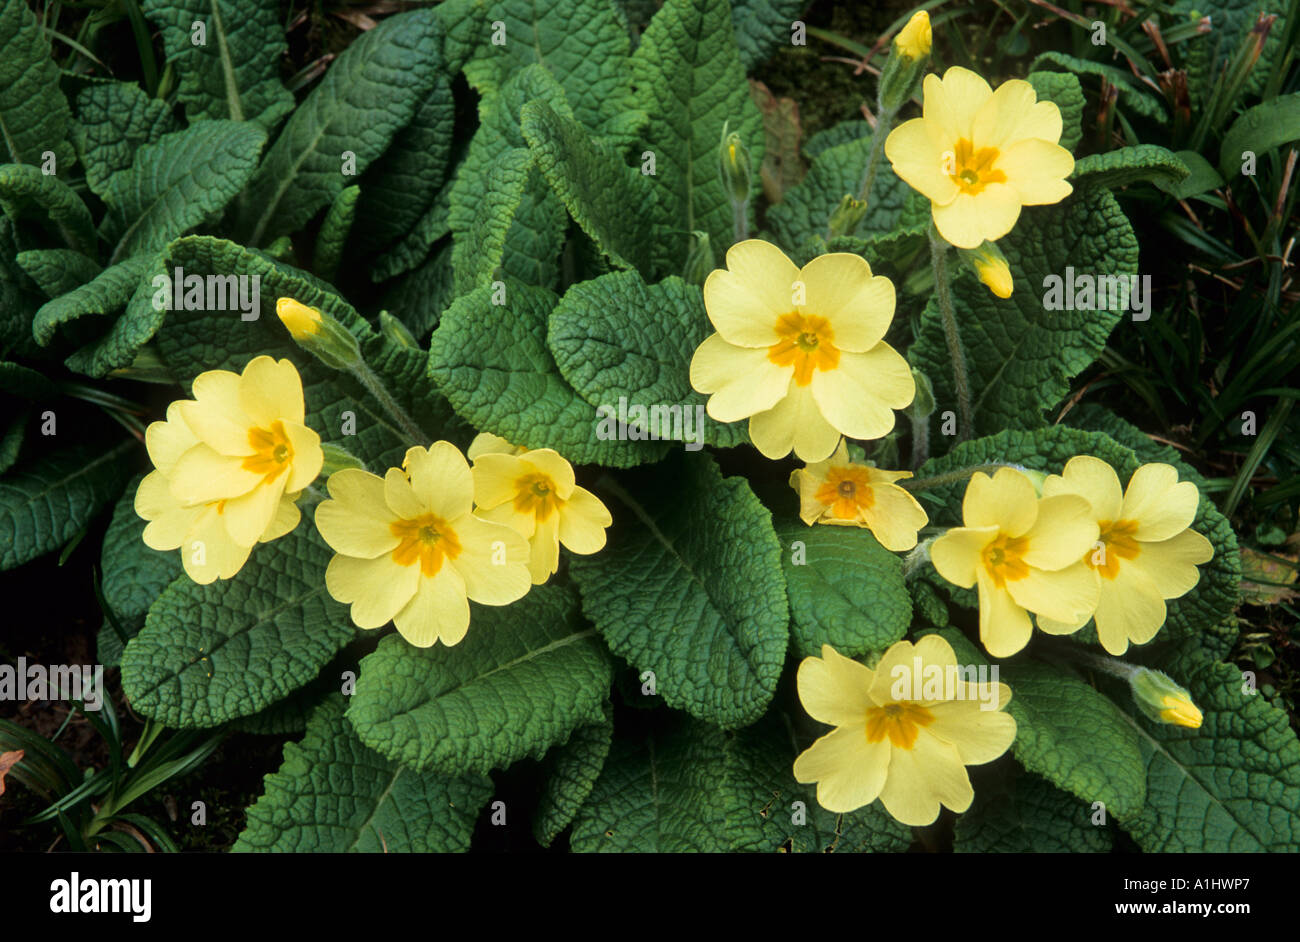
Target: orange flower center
x=807, y=344
x=535, y=494
x=901, y=722
x=846, y=491
x=973, y=169
x=1117, y=542
x=426, y=539
x=272, y=452
x=1002, y=559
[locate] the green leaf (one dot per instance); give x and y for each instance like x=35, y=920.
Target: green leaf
x=235, y=74
x=133, y=574
x=1117, y=168
x=615, y=337
x=45, y=503
x=767, y=810
x=525, y=677
x=538, y=224
x=211, y=653
x=689, y=80
x=580, y=43
x=837, y=172
x=57, y=271
x=659, y=794
x=1020, y=354
x=334, y=233
x=333, y=795
x=1268, y=125
x=762, y=26
x=464, y=27
x=1131, y=94
x=1207, y=53
x=419, y=297
x=1063, y=90
x=690, y=587
x=1231, y=786
x=400, y=187
x=394, y=64
x=1202, y=179
x=115, y=120
x=106, y=293
x=845, y=589
x=478, y=257
x=1026, y=814
x=34, y=115
x=570, y=772
x=604, y=196
x=1068, y=732
x=27, y=192
x=413, y=249
x=11, y=442
x=26, y=383
x=492, y=363
x=178, y=182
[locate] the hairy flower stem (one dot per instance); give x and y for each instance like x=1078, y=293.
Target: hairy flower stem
x=1107, y=665
x=740, y=222
x=920, y=440
x=884, y=123
x=939, y=259
x=951, y=477
x=362, y=371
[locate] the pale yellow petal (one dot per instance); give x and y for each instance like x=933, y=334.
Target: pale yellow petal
x=271, y=390
x=860, y=395
x=916, y=151
x=1066, y=595
x=954, y=101
x=248, y=516
x=377, y=589
x=745, y=299
x=1012, y=114
x=1093, y=480
x=169, y=521
x=840, y=287
x=583, y=520
x=848, y=770
x=285, y=520
x=167, y=441
x=357, y=521
x=1037, y=171
x=834, y=689
x=1162, y=505
x=1171, y=564
x=794, y=423
x=980, y=735
x=439, y=610
x=505, y=514
x=1005, y=627
x=1006, y=500
x=202, y=475
x=215, y=416
x=958, y=554
x=493, y=561
x=208, y=553
x=549, y=462
x=400, y=496
x=1129, y=610
x=924, y=777
x=1064, y=530
x=544, y=550
x=743, y=381
x=308, y=458
x=441, y=479
x=895, y=517
x=972, y=219
x=485, y=443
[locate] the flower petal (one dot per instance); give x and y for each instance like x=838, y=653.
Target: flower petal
x=795, y=422
x=980, y=735
x=859, y=305
x=895, y=517
x=1063, y=532
x=285, y=520
x=834, y=689
x=1171, y=564
x=972, y=219
x=743, y=381
x=1161, y=504
x=1037, y=171
x=1004, y=626
x=583, y=520
x=438, y=612
x=916, y=151
x=271, y=390
x=202, y=475
x=924, y=777
x=248, y=515
x=493, y=561
x=441, y=479
x=848, y=770
x=1130, y=609
x=1093, y=480
x=544, y=550
x=356, y=521
x=1067, y=595
x=215, y=416
x=167, y=441
x=1012, y=114
x=745, y=299
x=1006, y=500
x=208, y=553
x=377, y=589
x=549, y=462
x=953, y=101
x=859, y=396
x=400, y=496
x=957, y=554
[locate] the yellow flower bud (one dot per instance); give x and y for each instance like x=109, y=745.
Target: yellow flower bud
x=914, y=39
x=302, y=321
x=1180, y=711
x=1163, y=700
x=990, y=266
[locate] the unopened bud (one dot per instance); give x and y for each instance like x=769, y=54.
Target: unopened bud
x=699, y=260
x=733, y=164
x=395, y=330
x=990, y=266
x=908, y=58
x=319, y=334
x=847, y=215
x=1162, y=700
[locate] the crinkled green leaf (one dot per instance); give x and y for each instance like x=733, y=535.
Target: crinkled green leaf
x=333, y=795
x=57, y=271
x=1068, y=732
x=418, y=298
x=615, y=337
x=1202, y=179
x=11, y=442
x=605, y=196
x=26, y=192
x=570, y=773
x=106, y=293
x=368, y=95
x=689, y=80
x=1025, y=814
x=413, y=249
x=1117, y=168
x=208, y=654
x=1132, y=94
x=334, y=233
x=46, y=502
x=657, y=794
x=1231, y=20
x=845, y=589
x=477, y=259
x=1267, y=125
x=762, y=26
x=492, y=363
x=464, y=27
x=767, y=810
x=1021, y=356
x=178, y=182
x=113, y=122
x=34, y=115
x=524, y=678
x=690, y=587
x=1063, y=90
x=235, y=73
x=1231, y=786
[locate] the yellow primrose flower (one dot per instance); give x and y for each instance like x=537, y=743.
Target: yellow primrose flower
x=799, y=352
x=534, y=494
x=1145, y=552
x=914, y=39
x=1025, y=554
x=229, y=466
x=979, y=155
x=301, y=320
x=485, y=443
x=909, y=751
x=411, y=551
x=837, y=491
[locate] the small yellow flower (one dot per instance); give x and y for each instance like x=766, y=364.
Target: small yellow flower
x=1145, y=552
x=1025, y=554
x=229, y=466
x=913, y=40
x=979, y=155
x=911, y=752
x=534, y=494
x=301, y=320
x=411, y=551
x=837, y=491
x=800, y=352
x=991, y=268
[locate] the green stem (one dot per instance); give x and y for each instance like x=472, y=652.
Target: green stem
x=939, y=259
x=376, y=388
x=740, y=222
x=920, y=440
x=147, y=737
x=952, y=477
x=1107, y=665
x=884, y=123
